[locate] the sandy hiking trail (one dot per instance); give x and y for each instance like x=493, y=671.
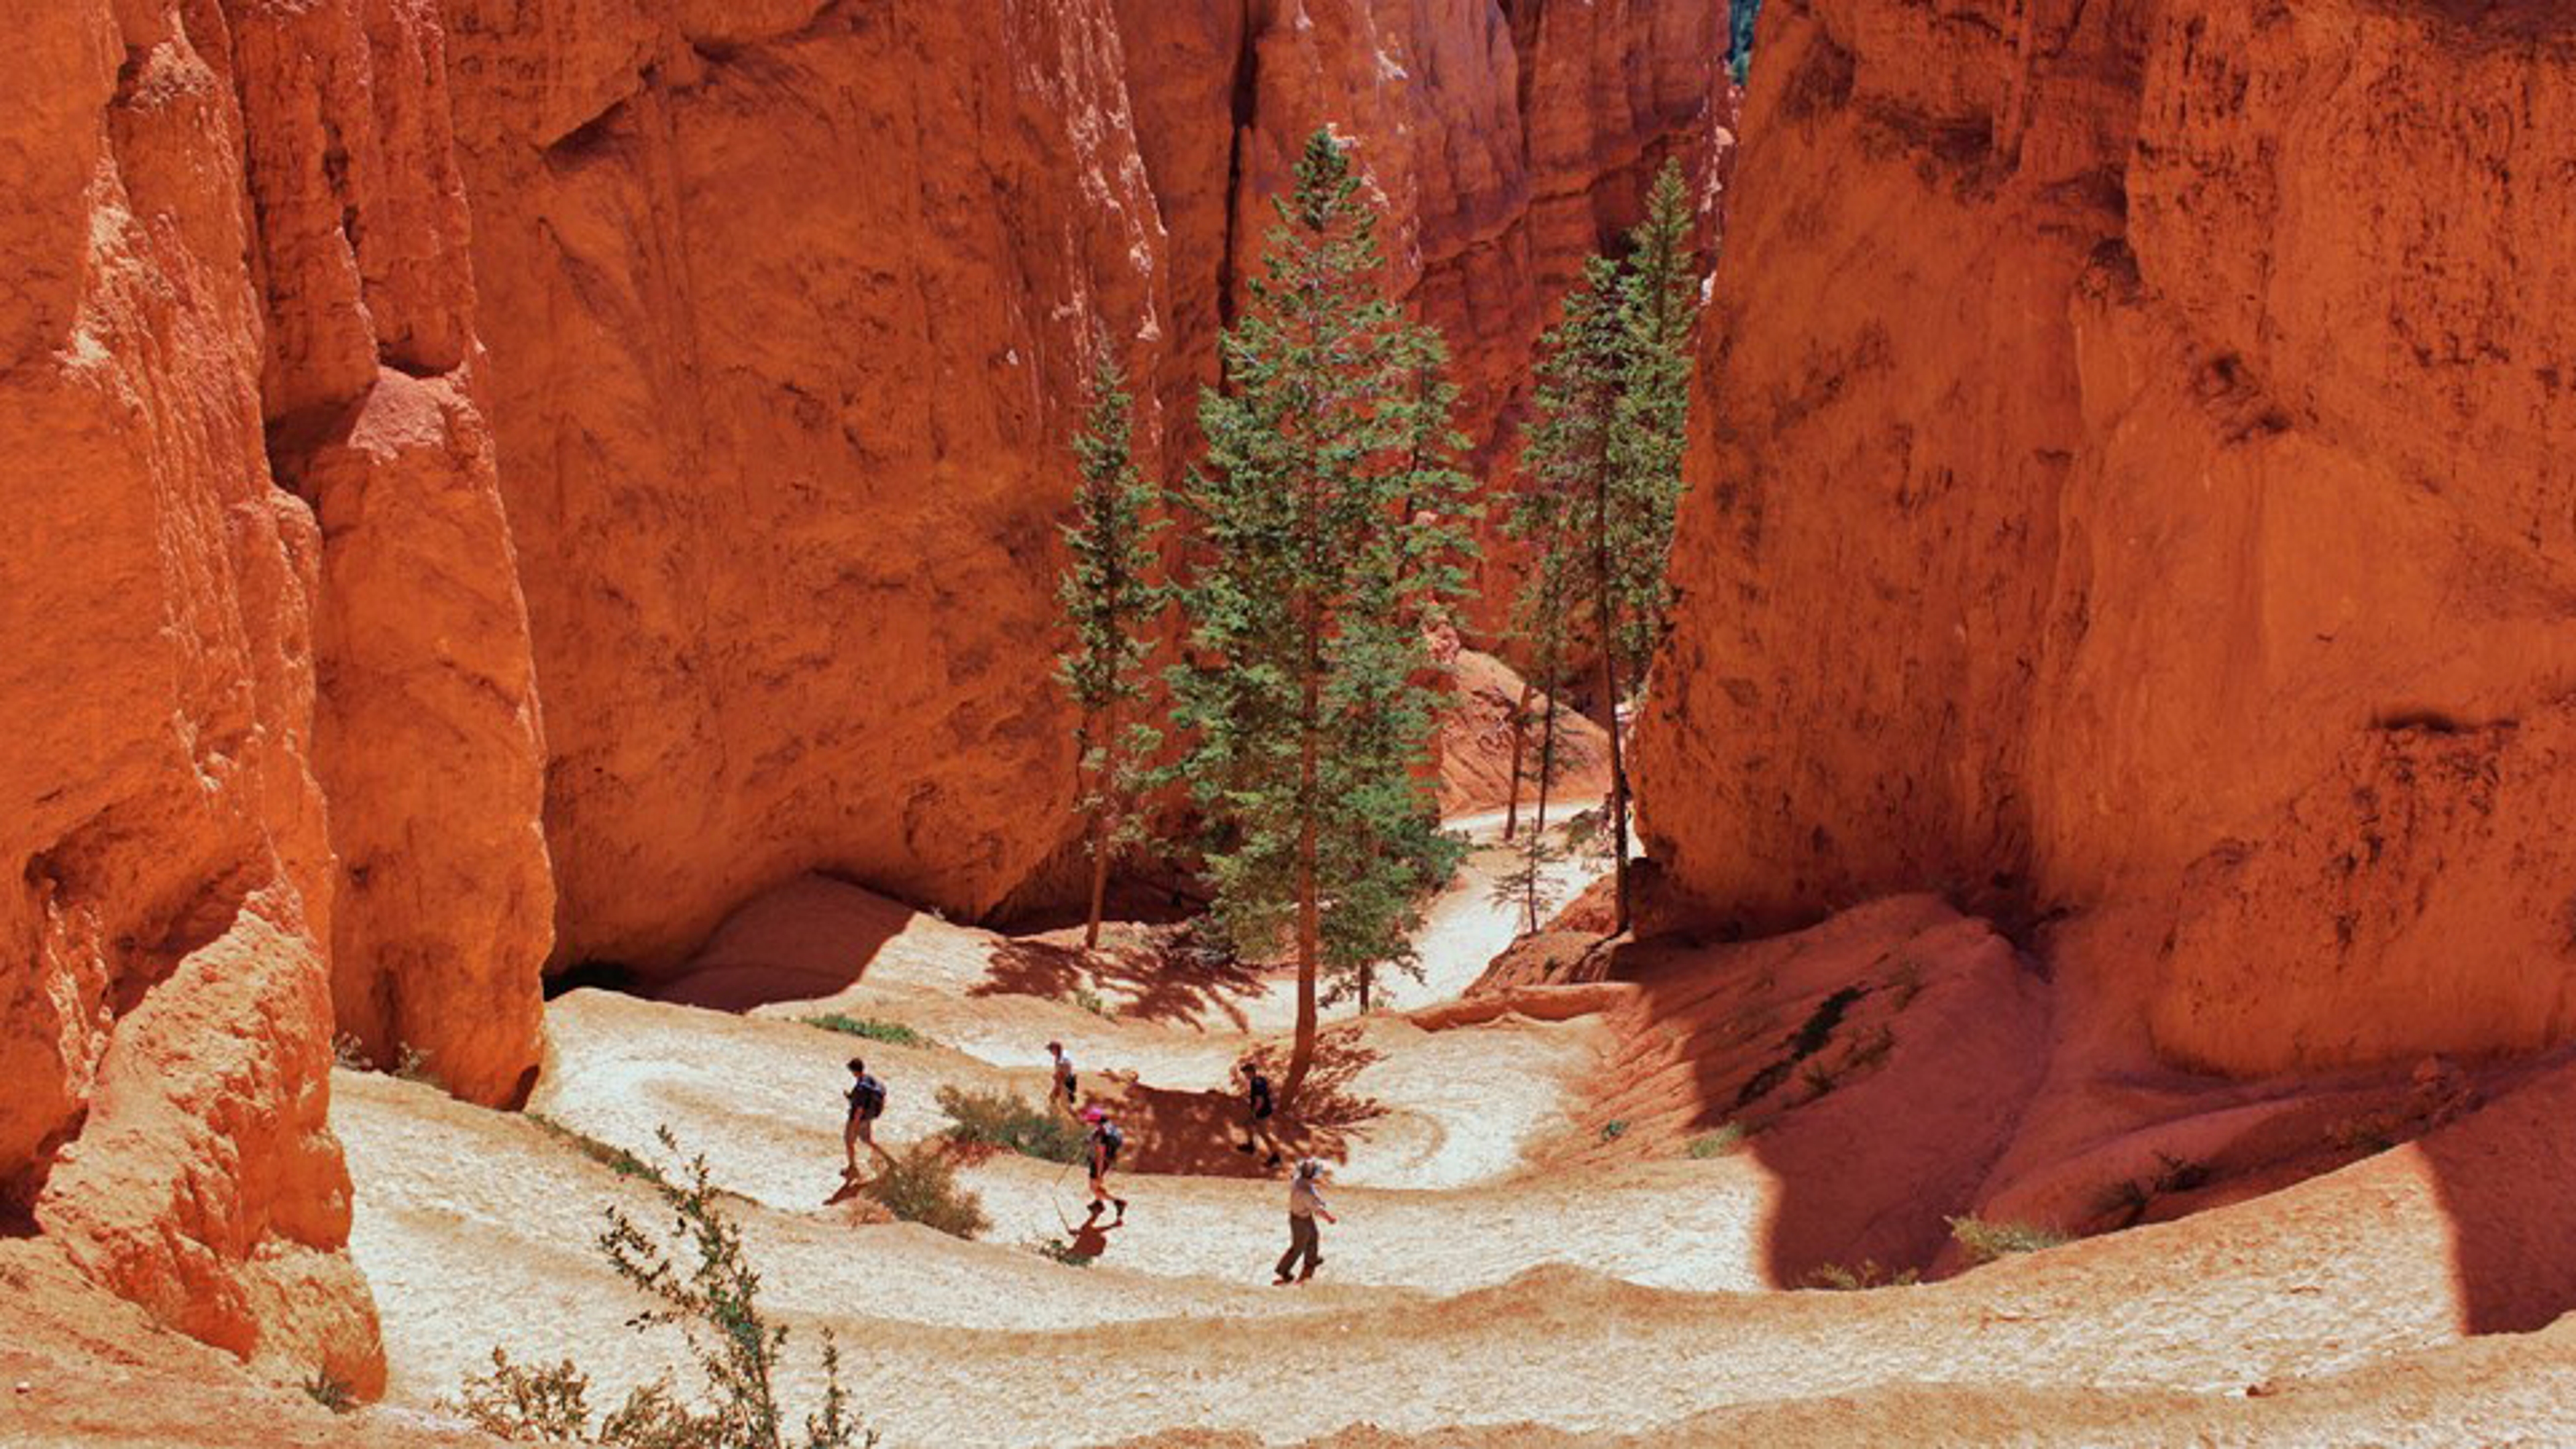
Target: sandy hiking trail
x=1527, y=1254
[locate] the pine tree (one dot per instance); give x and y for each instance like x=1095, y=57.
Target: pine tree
x=1658, y=302
x=1741, y=17
x=1328, y=535
x=1109, y=599
x=1602, y=471
x=1569, y=509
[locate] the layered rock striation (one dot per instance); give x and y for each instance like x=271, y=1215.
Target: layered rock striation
x=2132, y=471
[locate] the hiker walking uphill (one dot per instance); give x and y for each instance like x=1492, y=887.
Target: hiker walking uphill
x=867, y=1104
x=1258, y=1105
x=1305, y=1240
x=1101, y=1151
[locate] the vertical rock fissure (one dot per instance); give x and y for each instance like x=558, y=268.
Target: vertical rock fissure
x=1244, y=100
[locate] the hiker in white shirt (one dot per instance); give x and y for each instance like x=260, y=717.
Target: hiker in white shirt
x=1305, y=1204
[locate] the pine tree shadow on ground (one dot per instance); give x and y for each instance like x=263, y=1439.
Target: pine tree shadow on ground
x=1198, y=1133
x=1166, y=983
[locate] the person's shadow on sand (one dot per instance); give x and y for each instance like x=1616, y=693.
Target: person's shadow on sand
x=1091, y=1239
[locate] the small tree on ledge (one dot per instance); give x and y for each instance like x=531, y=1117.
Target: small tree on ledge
x=1109, y=601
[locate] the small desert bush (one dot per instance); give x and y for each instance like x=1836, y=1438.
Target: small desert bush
x=890, y=1032
x=921, y=1187
x=1613, y=1131
x=616, y=1159
x=1864, y=1274
x=347, y=1051
x=1720, y=1142
x=998, y=1119
x=1090, y=1001
x=699, y=1280
x=411, y=1064
x=330, y=1392
x=1984, y=1242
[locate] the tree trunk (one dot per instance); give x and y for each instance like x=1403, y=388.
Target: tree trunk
x=1606, y=613
x=1301, y=1057
x=1546, y=774
x=1102, y=827
x=1520, y=733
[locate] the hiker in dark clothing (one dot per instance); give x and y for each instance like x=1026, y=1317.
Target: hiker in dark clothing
x=1305, y=1240
x=867, y=1104
x=1101, y=1149
x=1258, y=1105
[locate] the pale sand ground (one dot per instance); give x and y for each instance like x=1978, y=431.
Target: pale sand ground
x=1462, y=1290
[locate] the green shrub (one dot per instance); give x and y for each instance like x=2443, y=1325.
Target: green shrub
x=701, y=1282
x=1613, y=1131
x=330, y=1392
x=1984, y=1242
x=529, y=1404
x=411, y=1064
x=998, y=1119
x=1720, y=1142
x=1089, y=1000
x=1865, y=1274
x=921, y=1187
x=889, y=1032
x=616, y=1159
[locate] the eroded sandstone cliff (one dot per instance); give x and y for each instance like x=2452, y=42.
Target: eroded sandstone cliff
x=271, y=735
x=2132, y=470
x=788, y=307
x=787, y=302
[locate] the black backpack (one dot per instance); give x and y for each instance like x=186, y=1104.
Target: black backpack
x=868, y=1098
x=1110, y=1137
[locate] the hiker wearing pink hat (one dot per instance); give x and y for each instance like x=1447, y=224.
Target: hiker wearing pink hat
x=1102, y=1146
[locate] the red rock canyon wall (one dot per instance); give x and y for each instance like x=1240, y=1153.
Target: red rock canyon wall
x=2132, y=468
x=271, y=734
x=788, y=307
x=785, y=305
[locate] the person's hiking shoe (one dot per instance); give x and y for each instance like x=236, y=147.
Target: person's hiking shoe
x=1122, y=1208
x=1282, y=1281
x=1096, y=1206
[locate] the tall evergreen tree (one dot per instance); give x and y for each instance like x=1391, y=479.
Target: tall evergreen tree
x=1109, y=598
x=1602, y=467
x=1658, y=302
x=1569, y=510
x=1327, y=518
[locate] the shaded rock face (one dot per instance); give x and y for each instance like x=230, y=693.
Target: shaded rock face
x=789, y=305
x=789, y=300
x=272, y=744
x=2132, y=467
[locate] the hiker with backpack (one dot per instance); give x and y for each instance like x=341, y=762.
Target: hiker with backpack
x=867, y=1104
x=1101, y=1151
x=1062, y=1097
x=1305, y=1240
x=1258, y=1105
